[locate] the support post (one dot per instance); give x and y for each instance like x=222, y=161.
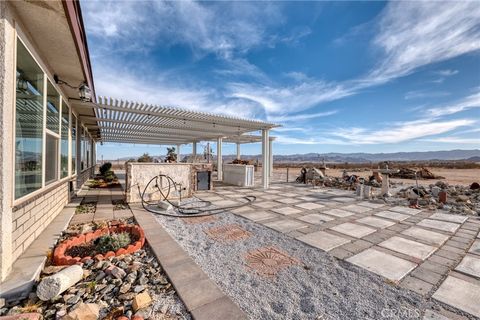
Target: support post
x=265, y=159
x=219, y=160
x=270, y=159
x=178, y=153
x=238, y=150
x=194, y=150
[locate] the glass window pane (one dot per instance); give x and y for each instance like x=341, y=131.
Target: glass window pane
x=51, y=159
x=64, y=142
x=53, y=103
x=74, y=143
x=28, y=124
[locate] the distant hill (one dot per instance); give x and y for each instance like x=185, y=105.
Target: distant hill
x=467, y=155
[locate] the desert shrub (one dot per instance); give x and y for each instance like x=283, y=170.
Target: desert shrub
x=112, y=242
x=145, y=158
x=105, y=167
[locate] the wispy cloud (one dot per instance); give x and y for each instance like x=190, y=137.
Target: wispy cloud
x=421, y=94
x=400, y=132
x=456, y=140
x=446, y=72
x=469, y=102
x=301, y=117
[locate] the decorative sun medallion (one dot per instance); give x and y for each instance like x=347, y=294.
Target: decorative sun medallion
x=231, y=232
x=195, y=220
x=268, y=261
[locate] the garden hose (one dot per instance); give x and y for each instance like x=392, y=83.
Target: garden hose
x=184, y=211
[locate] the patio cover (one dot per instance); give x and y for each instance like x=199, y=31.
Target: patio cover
x=132, y=122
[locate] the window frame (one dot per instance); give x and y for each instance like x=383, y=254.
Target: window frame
x=20, y=36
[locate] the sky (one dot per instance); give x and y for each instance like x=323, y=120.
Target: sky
x=338, y=76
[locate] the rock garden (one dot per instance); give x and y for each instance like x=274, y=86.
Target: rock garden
x=101, y=271
x=105, y=179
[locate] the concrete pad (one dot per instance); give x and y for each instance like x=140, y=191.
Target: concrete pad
x=316, y=218
x=258, y=215
x=290, y=194
x=353, y=230
x=344, y=199
x=383, y=264
x=271, y=197
x=406, y=210
x=434, y=238
x=460, y=294
x=440, y=225
x=310, y=205
x=225, y=203
x=285, y=226
x=393, y=215
x=376, y=222
x=470, y=265
x=356, y=208
x=287, y=210
x=323, y=240
x=372, y=205
x=475, y=248
x=408, y=247
x=308, y=198
x=289, y=200
x=267, y=204
x=242, y=209
x=448, y=217
x=338, y=213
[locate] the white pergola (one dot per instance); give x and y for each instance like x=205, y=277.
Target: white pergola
x=123, y=121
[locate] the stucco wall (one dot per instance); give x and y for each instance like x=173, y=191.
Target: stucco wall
x=139, y=174
x=7, y=55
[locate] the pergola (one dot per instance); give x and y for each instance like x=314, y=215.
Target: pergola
x=123, y=121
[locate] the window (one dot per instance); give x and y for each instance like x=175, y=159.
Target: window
x=74, y=144
x=64, y=141
x=28, y=123
x=52, y=134
x=51, y=159
x=82, y=149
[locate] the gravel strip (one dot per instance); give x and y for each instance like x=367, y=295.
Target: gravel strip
x=320, y=288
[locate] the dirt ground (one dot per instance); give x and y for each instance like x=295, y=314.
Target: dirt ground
x=452, y=176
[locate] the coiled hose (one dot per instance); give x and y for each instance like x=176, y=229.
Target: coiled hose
x=184, y=210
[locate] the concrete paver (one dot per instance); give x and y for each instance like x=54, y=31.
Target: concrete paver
x=353, y=230
x=258, y=215
x=448, y=217
x=338, y=213
x=356, y=208
x=406, y=210
x=393, y=215
x=316, y=218
x=426, y=235
x=381, y=263
x=376, y=222
x=285, y=225
x=470, y=265
x=460, y=294
x=439, y=225
x=309, y=205
x=475, y=248
x=286, y=210
x=408, y=247
x=323, y=240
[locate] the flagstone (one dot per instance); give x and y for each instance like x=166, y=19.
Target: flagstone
x=448, y=217
x=426, y=235
x=310, y=205
x=353, y=230
x=470, y=265
x=393, y=215
x=356, y=208
x=460, y=294
x=316, y=218
x=376, y=222
x=338, y=213
x=286, y=210
x=440, y=225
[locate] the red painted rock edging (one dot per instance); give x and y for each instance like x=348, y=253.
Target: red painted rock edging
x=59, y=257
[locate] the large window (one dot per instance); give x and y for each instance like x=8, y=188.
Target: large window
x=51, y=159
x=64, y=140
x=28, y=123
x=74, y=144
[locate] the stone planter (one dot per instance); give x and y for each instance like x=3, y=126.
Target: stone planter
x=59, y=257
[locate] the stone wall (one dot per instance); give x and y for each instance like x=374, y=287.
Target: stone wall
x=84, y=176
x=33, y=216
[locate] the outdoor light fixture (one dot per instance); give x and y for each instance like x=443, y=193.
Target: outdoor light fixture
x=84, y=91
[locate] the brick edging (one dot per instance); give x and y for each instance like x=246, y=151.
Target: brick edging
x=201, y=296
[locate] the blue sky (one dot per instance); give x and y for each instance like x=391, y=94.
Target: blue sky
x=339, y=76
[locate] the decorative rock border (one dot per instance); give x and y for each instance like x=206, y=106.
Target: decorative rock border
x=59, y=257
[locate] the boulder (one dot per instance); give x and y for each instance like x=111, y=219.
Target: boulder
x=52, y=286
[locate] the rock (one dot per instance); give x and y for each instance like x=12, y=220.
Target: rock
x=116, y=272
x=73, y=300
x=88, y=263
x=462, y=198
x=125, y=288
x=54, y=285
x=131, y=277
x=138, y=289
x=142, y=280
x=141, y=300
x=84, y=311
x=100, y=276
x=23, y=316
x=86, y=228
x=126, y=296
x=52, y=269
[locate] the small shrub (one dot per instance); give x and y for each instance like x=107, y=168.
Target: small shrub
x=112, y=242
x=105, y=167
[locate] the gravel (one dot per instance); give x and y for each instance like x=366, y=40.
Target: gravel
x=322, y=288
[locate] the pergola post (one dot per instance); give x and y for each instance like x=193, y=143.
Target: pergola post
x=194, y=150
x=270, y=154
x=219, y=160
x=178, y=153
x=265, y=159
x=238, y=150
